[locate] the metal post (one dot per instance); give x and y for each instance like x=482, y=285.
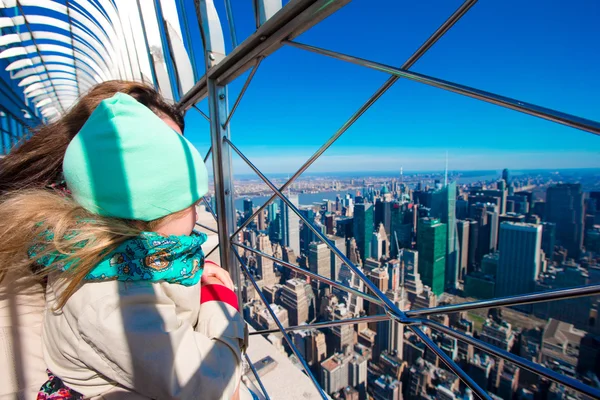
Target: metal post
x=223, y=177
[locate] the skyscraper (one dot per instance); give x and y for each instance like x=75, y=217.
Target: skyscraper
x=319, y=259
x=548, y=238
x=564, y=207
x=272, y=210
x=306, y=234
x=432, y=242
x=247, y=208
x=290, y=223
x=401, y=227
x=383, y=213
x=295, y=300
x=363, y=228
x=462, y=228
x=443, y=206
x=519, y=262
x=505, y=176
x=263, y=264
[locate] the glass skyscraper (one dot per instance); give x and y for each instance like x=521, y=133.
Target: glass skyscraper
x=431, y=244
x=443, y=206
x=519, y=262
x=564, y=207
x=363, y=228
x=290, y=223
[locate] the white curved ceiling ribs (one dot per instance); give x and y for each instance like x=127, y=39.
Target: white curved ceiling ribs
x=56, y=50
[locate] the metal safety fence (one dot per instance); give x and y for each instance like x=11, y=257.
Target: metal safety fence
x=280, y=30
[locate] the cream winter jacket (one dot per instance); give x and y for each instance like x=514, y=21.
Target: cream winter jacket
x=133, y=340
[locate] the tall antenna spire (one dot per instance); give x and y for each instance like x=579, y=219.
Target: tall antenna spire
x=446, y=171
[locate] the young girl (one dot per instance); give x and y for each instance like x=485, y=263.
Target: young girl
x=124, y=271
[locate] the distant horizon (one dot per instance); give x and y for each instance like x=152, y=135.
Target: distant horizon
x=384, y=173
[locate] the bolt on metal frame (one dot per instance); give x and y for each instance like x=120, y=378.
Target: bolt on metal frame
x=280, y=30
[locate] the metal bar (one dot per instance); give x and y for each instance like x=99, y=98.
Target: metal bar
x=212, y=251
x=37, y=49
x=229, y=12
x=201, y=112
x=521, y=362
x=207, y=227
x=256, y=15
x=557, y=294
x=387, y=84
x=255, y=373
x=503, y=101
x=279, y=326
x=72, y=46
x=327, y=324
x=243, y=91
x=207, y=154
x=313, y=275
x=223, y=180
x=450, y=363
x=293, y=19
x=387, y=303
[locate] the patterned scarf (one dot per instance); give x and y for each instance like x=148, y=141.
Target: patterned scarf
x=150, y=257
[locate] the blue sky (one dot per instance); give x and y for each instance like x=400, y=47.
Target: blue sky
x=545, y=52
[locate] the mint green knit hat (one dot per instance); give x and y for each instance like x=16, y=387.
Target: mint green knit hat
x=125, y=162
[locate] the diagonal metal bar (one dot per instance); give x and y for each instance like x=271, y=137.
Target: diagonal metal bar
x=279, y=326
x=212, y=251
x=450, y=363
x=72, y=46
x=255, y=373
x=559, y=117
x=243, y=91
x=229, y=13
x=387, y=303
x=207, y=227
x=292, y=20
x=207, y=154
x=201, y=112
x=313, y=275
x=557, y=294
x=521, y=362
x=327, y=324
x=455, y=17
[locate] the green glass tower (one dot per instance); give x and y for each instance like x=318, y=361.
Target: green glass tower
x=443, y=206
x=431, y=244
x=363, y=228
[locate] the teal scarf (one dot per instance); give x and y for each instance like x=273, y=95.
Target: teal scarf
x=149, y=257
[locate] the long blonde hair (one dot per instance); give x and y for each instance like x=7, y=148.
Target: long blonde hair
x=27, y=216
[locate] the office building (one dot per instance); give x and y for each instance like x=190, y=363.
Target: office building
x=519, y=263
x=363, y=228
x=319, y=259
x=383, y=214
x=431, y=242
x=290, y=229
x=264, y=265
x=401, y=226
x=564, y=207
x=462, y=234
x=312, y=346
x=272, y=212
x=443, y=207
x=307, y=235
x=296, y=297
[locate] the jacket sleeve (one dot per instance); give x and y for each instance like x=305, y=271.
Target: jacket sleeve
x=142, y=345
